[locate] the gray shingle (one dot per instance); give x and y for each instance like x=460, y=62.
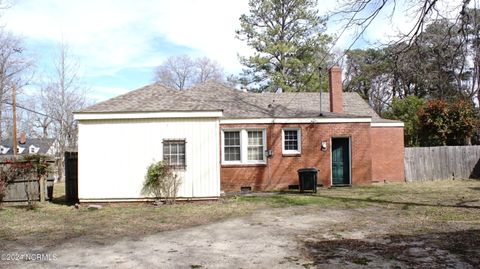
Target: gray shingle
x=43, y=144
x=234, y=103
x=151, y=98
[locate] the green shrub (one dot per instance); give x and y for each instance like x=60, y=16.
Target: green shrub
x=161, y=181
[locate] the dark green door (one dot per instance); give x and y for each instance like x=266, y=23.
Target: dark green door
x=340, y=161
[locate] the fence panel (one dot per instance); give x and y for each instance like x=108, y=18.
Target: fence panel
x=430, y=163
x=71, y=177
x=19, y=190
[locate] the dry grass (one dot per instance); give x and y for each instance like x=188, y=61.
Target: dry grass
x=405, y=225
x=421, y=206
x=403, y=208
x=51, y=223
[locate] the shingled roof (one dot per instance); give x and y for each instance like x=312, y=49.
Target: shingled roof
x=151, y=98
x=213, y=96
x=44, y=145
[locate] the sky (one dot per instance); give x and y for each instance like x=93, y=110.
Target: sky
x=118, y=43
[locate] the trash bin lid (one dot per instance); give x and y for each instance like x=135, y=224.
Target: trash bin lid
x=307, y=169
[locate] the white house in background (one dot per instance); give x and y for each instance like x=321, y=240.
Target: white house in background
x=25, y=146
x=120, y=138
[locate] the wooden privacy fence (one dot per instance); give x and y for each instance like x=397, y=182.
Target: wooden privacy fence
x=20, y=189
x=71, y=177
x=431, y=163
x=23, y=188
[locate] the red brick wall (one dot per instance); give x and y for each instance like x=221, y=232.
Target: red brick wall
x=335, y=89
x=387, y=154
x=281, y=171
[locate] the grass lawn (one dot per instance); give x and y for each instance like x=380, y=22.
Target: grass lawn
x=51, y=223
x=426, y=206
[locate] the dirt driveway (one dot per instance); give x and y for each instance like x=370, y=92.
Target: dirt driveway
x=292, y=237
x=415, y=225
x=266, y=239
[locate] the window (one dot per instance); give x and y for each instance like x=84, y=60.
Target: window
x=232, y=146
x=4, y=150
x=255, y=145
x=20, y=150
x=32, y=149
x=291, y=141
x=174, y=153
x=244, y=146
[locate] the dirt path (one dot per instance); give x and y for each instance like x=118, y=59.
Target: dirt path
x=267, y=239
x=292, y=237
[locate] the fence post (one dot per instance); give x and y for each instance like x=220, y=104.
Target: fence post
x=41, y=183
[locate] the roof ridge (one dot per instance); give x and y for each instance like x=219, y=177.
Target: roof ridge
x=214, y=95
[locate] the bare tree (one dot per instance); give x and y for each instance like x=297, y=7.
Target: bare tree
x=32, y=117
x=360, y=13
x=182, y=72
x=15, y=70
x=176, y=72
x=208, y=70
x=63, y=94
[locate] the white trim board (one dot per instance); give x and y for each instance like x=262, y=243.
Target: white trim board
x=388, y=124
x=126, y=200
x=295, y=120
x=148, y=115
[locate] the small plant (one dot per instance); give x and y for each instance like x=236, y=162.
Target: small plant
x=361, y=261
x=161, y=181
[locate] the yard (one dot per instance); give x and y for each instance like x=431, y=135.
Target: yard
x=428, y=224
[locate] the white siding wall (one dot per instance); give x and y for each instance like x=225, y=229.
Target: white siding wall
x=113, y=156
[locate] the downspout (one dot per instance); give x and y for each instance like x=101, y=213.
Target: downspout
x=268, y=161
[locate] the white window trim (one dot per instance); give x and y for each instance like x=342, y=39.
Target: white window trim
x=299, y=142
x=223, y=146
x=244, y=146
x=33, y=150
x=4, y=150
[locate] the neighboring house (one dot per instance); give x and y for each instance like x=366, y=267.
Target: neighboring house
x=27, y=146
x=221, y=139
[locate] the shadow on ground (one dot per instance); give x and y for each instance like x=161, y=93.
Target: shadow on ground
x=460, y=249
x=61, y=200
x=382, y=201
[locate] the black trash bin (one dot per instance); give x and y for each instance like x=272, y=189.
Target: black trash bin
x=307, y=179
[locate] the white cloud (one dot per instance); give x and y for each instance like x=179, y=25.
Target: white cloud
x=109, y=34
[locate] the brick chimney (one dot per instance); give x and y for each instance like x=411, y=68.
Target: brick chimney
x=23, y=138
x=335, y=89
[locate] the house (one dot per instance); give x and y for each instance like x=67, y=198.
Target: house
x=221, y=139
x=27, y=146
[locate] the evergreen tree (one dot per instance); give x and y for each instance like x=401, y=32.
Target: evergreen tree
x=288, y=40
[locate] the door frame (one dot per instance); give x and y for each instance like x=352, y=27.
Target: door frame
x=349, y=159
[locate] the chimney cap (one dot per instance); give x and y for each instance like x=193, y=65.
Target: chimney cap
x=23, y=138
x=335, y=68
